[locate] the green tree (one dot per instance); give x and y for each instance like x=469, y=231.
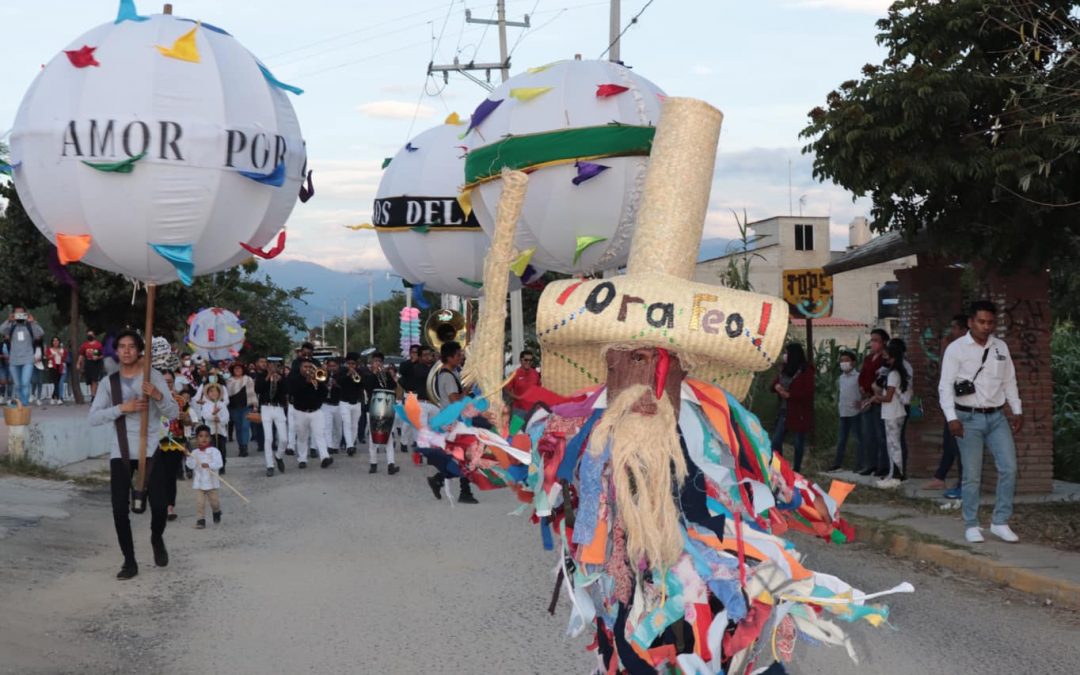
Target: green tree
x=968, y=131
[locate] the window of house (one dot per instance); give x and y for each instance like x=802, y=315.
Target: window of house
x=804, y=237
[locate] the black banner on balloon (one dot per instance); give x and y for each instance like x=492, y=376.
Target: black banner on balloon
x=436, y=213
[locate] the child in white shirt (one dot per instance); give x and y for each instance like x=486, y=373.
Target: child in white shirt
x=214, y=413
x=205, y=460
x=848, y=389
x=891, y=398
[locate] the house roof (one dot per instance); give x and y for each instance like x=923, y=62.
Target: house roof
x=831, y=322
x=752, y=249
x=881, y=249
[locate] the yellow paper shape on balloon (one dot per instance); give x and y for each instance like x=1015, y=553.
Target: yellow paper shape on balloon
x=184, y=48
x=528, y=93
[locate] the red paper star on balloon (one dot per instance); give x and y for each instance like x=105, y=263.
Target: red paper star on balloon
x=81, y=58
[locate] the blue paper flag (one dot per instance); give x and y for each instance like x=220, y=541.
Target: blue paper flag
x=8, y=169
x=418, y=297
x=275, y=177
x=486, y=107
x=127, y=12
x=278, y=83
x=410, y=147
x=181, y=257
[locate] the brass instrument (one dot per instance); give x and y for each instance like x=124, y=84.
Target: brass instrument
x=320, y=375
x=355, y=375
x=444, y=326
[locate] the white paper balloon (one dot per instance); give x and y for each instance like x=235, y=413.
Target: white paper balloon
x=422, y=228
x=547, y=119
x=170, y=113
x=215, y=333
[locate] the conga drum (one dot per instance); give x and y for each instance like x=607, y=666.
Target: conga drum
x=382, y=415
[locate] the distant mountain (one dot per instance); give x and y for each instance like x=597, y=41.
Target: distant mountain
x=328, y=287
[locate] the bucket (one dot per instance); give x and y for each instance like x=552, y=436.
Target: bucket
x=18, y=416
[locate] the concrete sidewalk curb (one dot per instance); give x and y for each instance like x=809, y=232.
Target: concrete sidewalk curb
x=891, y=537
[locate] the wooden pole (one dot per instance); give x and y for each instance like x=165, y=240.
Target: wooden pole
x=76, y=374
x=144, y=420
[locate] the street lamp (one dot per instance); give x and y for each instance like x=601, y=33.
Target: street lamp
x=371, y=303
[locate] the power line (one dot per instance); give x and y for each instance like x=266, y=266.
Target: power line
x=632, y=22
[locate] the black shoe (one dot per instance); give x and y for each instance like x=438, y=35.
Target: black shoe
x=326, y=462
x=221, y=471
x=200, y=524
x=243, y=452
x=302, y=465
x=161, y=556
x=332, y=451
x=350, y=451
x=466, y=498
x=127, y=571
x=392, y=469
x=290, y=451
x=374, y=469
x=435, y=483
x=171, y=517
x=189, y=473
x=269, y=471
x=217, y=517
x=867, y=471
x=311, y=454
x=280, y=464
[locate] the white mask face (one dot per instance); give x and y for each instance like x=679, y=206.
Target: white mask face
x=845, y=366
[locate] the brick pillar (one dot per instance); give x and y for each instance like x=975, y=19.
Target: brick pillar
x=1024, y=323
x=930, y=295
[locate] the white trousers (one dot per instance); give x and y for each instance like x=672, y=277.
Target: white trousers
x=310, y=428
x=273, y=417
x=373, y=450
x=350, y=420
x=332, y=413
x=292, y=428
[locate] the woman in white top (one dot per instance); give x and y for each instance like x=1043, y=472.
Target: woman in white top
x=891, y=397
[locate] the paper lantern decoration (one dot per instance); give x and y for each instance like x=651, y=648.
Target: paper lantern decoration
x=583, y=131
x=215, y=334
x=427, y=234
x=154, y=147
x=410, y=329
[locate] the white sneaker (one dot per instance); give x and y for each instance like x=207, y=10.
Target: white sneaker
x=974, y=535
x=1004, y=533
x=888, y=483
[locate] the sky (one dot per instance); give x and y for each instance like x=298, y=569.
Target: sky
x=363, y=66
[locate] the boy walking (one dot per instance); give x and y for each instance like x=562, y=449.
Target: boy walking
x=205, y=460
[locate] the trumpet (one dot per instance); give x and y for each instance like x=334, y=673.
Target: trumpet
x=355, y=376
x=320, y=375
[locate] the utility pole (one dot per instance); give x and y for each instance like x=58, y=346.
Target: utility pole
x=613, y=31
x=371, y=307
x=344, y=327
x=517, y=320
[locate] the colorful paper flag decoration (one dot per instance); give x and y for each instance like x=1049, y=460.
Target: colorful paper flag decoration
x=184, y=49
x=123, y=166
x=267, y=255
x=307, y=191
x=587, y=170
x=9, y=169
x=181, y=257
x=59, y=270
x=275, y=178
x=386, y=162
x=486, y=107
x=278, y=83
x=409, y=147
x=127, y=12
x=606, y=90
x=453, y=118
x=540, y=69
x=362, y=226
x=418, y=297
x=82, y=58
x=528, y=93
x=71, y=247
x=521, y=264
x=584, y=243
x=471, y=282
x=465, y=200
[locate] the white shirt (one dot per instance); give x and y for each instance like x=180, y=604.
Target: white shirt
x=207, y=415
x=894, y=409
x=205, y=479
x=849, y=393
x=995, y=385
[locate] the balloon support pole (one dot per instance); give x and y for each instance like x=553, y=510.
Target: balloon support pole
x=144, y=420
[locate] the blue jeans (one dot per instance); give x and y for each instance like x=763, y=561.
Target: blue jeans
x=778, y=439
x=875, y=454
x=241, y=426
x=22, y=376
x=847, y=425
x=990, y=431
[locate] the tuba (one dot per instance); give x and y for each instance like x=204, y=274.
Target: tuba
x=443, y=326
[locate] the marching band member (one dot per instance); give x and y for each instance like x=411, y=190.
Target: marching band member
x=307, y=400
x=378, y=379
x=352, y=400
x=294, y=380
x=273, y=395
x=332, y=407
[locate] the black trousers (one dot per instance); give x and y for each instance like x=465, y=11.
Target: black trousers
x=174, y=470
x=120, y=480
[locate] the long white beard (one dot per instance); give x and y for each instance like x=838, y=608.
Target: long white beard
x=646, y=459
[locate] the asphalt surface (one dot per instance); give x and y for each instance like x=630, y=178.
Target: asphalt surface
x=337, y=571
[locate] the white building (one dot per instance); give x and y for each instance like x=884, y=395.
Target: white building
x=862, y=298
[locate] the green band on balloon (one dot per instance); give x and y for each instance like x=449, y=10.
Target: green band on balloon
x=126, y=166
x=556, y=147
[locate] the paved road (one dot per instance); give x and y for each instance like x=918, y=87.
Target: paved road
x=337, y=571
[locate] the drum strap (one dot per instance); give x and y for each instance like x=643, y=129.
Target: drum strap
x=457, y=383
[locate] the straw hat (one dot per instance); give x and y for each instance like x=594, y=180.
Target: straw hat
x=722, y=336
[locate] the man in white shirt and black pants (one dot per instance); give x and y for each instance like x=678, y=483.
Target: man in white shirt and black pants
x=977, y=379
